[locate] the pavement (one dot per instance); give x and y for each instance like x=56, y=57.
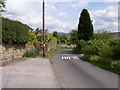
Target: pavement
x=73, y=72
x=30, y=73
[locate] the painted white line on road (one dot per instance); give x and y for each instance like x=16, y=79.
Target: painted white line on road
x=69, y=57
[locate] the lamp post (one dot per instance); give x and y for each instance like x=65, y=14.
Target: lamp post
x=43, y=27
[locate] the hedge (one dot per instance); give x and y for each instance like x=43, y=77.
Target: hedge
x=14, y=31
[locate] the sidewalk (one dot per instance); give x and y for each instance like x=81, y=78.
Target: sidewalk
x=31, y=73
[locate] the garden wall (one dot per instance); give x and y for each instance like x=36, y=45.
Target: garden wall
x=12, y=51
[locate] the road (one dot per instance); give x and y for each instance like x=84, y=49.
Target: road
x=73, y=72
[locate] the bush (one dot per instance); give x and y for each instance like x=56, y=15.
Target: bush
x=116, y=51
x=79, y=45
x=93, y=47
x=86, y=57
x=31, y=53
x=14, y=32
x=103, y=53
x=106, y=51
x=33, y=38
x=94, y=58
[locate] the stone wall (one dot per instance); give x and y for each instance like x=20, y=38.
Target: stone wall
x=8, y=51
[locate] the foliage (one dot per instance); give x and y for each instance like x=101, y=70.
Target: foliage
x=116, y=51
x=31, y=53
x=103, y=53
x=2, y=5
x=32, y=37
x=94, y=58
x=55, y=34
x=14, y=31
x=53, y=39
x=93, y=47
x=79, y=45
x=73, y=36
x=63, y=39
x=102, y=34
x=106, y=51
x=85, y=27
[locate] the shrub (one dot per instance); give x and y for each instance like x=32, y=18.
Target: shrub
x=93, y=47
x=86, y=57
x=116, y=51
x=115, y=64
x=94, y=58
x=79, y=45
x=31, y=53
x=33, y=37
x=106, y=51
x=103, y=53
x=14, y=32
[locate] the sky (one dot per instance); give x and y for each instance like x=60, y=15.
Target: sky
x=63, y=15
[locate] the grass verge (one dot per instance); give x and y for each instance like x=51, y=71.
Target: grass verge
x=107, y=64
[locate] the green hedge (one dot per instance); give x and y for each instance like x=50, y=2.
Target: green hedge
x=14, y=31
x=102, y=53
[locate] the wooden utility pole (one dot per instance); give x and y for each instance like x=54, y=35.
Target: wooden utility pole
x=44, y=27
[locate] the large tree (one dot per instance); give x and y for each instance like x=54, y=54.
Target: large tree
x=85, y=27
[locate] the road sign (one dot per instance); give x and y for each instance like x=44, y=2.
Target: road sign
x=49, y=40
x=38, y=34
x=42, y=46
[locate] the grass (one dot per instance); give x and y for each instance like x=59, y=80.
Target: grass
x=49, y=55
x=104, y=63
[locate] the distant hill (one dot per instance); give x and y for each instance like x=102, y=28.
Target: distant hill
x=62, y=33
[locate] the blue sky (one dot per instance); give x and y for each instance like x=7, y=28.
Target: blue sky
x=63, y=16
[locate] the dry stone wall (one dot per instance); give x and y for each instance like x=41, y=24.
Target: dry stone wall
x=8, y=52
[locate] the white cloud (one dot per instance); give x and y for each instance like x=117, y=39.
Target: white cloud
x=16, y=7
x=50, y=7
x=80, y=5
x=63, y=15
x=26, y=12
x=106, y=18
x=56, y=25
x=30, y=13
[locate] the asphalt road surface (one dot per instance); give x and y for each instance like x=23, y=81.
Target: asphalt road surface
x=73, y=72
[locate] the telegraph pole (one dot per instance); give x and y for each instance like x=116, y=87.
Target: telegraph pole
x=44, y=27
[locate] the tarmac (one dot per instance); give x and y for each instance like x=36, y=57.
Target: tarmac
x=30, y=73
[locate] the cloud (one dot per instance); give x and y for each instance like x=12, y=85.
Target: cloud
x=63, y=15
x=59, y=18
x=50, y=7
x=56, y=25
x=80, y=5
x=106, y=18
x=26, y=12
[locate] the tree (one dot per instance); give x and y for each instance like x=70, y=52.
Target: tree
x=63, y=38
x=2, y=5
x=33, y=37
x=85, y=27
x=55, y=34
x=73, y=36
x=103, y=34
